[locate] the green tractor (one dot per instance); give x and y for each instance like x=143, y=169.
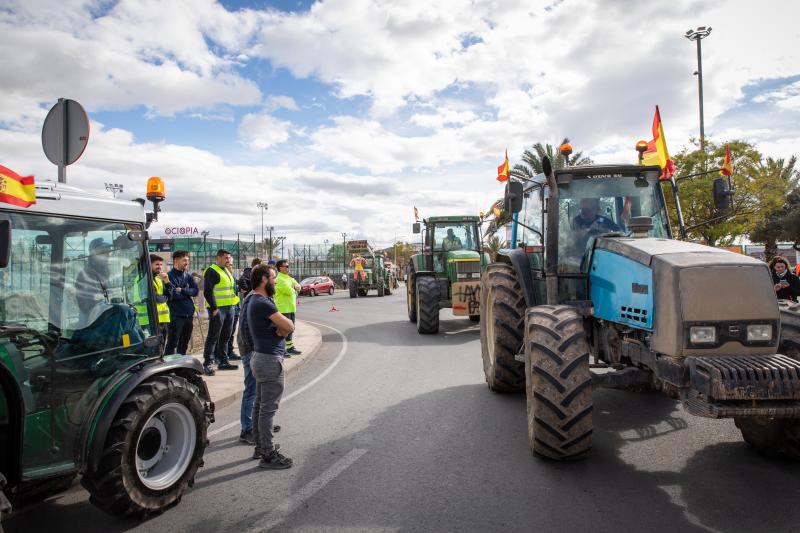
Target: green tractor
x=372, y=275
x=599, y=294
x=84, y=390
x=447, y=273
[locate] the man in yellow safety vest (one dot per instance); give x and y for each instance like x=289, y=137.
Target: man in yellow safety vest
x=219, y=290
x=163, y=290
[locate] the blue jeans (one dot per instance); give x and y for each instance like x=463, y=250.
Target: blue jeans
x=249, y=395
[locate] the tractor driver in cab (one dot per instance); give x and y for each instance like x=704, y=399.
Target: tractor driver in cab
x=92, y=282
x=451, y=242
x=590, y=220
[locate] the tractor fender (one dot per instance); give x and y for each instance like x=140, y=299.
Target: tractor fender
x=16, y=414
x=518, y=259
x=108, y=404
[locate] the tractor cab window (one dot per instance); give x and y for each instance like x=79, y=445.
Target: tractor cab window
x=532, y=228
x=591, y=207
x=455, y=236
x=69, y=303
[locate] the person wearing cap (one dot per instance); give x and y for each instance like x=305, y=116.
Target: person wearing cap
x=91, y=284
x=219, y=291
x=286, y=289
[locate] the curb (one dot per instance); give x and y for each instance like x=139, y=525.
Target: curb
x=295, y=361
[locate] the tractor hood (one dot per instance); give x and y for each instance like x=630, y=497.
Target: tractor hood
x=462, y=255
x=696, y=285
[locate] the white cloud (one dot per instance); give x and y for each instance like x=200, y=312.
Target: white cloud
x=275, y=102
x=261, y=131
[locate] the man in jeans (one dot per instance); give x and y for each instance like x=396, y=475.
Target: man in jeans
x=268, y=329
x=181, y=306
x=220, y=294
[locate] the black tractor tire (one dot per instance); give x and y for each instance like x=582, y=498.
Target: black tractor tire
x=502, y=328
x=381, y=288
x=773, y=437
x=427, y=305
x=353, y=290
x=411, y=299
x=475, y=318
x=790, y=328
x=558, y=383
x=164, y=405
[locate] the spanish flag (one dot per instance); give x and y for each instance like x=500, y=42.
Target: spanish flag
x=16, y=190
x=727, y=166
x=502, y=170
x=656, y=153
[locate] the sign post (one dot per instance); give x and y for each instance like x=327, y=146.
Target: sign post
x=65, y=135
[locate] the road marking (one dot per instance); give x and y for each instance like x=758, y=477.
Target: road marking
x=305, y=387
x=297, y=500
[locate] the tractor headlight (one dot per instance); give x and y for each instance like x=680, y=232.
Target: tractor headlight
x=702, y=334
x=759, y=333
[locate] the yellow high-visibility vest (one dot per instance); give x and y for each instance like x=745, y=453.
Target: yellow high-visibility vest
x=140, y=303
x=224, y=291
x=162, y=308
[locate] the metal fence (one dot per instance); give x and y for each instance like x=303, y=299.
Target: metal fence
x=308, y=260
x=243, y=249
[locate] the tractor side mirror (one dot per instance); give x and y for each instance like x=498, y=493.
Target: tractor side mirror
x=513, y=199
x=5, y=242
x=722, y=195
x=416, y=227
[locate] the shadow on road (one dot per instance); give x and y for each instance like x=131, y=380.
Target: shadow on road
x=457, y=459
x=452, y=332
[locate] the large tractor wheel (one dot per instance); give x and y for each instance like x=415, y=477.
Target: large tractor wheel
x=558, y=383
x=503, y=311
x=411, y=299
x=773, y=437
x=153, y=450
x=353, y=290
x=427, y=305
x=790, y=328
x=381, y=288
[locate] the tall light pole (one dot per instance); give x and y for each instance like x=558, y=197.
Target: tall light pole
x=263, y=207
x=270, y=230
x=698, y=35
x=281, y=239
x=114, y=188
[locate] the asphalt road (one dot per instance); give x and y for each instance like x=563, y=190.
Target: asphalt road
x=393, y=431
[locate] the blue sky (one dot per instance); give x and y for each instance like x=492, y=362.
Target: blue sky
x=344, y=114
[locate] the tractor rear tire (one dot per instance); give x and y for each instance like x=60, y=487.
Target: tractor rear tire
x=353, y=290
x=558, y=383
x=161, y=427
x=381, y=288
x=502, y=328
x=427, y=305
x=411, y=299
x=773, y=437
x=790, y=328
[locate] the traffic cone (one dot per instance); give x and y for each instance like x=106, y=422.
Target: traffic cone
x=332, y=309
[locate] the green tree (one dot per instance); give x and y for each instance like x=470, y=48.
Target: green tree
x=783, y=222
x=403, y=251
x=756, y=192
x=271, y=247
x=532, y=159
x=492, y=245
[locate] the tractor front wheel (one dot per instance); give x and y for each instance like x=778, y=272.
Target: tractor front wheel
x=381, y=288
x=427, y=305
x=353, y=290
x=773, y=437
x=503, y=311
x=411, y=299
x=153, y=449
x=558, y=383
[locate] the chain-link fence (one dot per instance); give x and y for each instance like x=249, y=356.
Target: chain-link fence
x=308, y=260
x=243, y=249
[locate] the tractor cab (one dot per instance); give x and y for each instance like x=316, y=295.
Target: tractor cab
x=449, y=241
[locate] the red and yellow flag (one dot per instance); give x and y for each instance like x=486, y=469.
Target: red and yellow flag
x=502, y=170
x=16, y=190
x=416, y=214
x=656, y=153
x=727, y=165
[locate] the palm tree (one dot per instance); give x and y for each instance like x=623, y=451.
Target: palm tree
x=493, y=245
x=779, y=175
x=532, y=159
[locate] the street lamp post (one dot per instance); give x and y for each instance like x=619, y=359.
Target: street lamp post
x=344, y=251
x=698, y=35
x=204, y=233
x=263, y=207
x=270, y=229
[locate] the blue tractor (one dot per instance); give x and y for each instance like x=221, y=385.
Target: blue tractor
x=599, y=294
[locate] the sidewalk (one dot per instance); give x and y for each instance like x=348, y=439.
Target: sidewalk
x=226, y=386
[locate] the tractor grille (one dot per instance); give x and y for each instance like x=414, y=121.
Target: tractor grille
x=468, y=267
x=754, y=377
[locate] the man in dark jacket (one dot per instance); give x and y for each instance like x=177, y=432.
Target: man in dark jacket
x=181, y=306
x=244, y=281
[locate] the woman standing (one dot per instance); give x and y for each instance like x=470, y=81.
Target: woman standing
x=787, y=285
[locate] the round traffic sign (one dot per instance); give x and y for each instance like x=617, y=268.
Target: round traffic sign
x=65, y=133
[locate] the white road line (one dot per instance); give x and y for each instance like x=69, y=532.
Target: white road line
x=297, y=500
x=305, y=387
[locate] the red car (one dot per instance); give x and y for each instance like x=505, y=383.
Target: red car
x=314, y=286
